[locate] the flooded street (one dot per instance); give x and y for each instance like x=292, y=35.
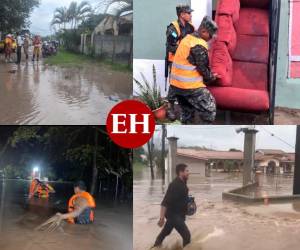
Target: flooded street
x=18, y=218
x=39, y=94
x=220, y=224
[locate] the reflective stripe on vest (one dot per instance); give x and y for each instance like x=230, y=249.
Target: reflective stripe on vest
x=184, y=75
x=186, y=79
x=185, y=67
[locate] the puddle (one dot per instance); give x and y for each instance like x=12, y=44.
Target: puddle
x=39, y=94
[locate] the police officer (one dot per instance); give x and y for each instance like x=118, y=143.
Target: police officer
x=190, y=72
x=176, y=31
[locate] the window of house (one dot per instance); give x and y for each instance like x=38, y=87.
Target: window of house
x=294, y=40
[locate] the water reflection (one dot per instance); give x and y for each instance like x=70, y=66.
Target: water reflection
x=19, y=216
x=34, y=93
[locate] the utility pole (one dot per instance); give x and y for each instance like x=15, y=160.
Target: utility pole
x=296, y=187
x=249, y=153
x=163, y=151
x=172, y=156
x=150, y=146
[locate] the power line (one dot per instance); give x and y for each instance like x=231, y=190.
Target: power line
x=277, y=137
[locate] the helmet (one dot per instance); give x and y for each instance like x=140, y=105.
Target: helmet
x=191, y=206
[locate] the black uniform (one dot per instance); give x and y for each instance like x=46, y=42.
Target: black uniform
x=200, y=99
x=175, y=200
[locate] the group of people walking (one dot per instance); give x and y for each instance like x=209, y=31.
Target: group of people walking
x=11, y=44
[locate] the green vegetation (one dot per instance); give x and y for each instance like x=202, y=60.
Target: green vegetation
x=14, y=14
x=70, y=59
x=149, y=93
x=138, y=167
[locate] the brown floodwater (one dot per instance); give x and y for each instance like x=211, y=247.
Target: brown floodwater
x=219, y=224
x=34, y=93
x=111, y=230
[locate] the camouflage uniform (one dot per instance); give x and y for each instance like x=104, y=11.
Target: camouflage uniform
x=200, y=99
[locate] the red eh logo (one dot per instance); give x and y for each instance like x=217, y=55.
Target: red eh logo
x=130, y=124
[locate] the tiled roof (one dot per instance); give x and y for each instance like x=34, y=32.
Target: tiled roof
x=262, y=154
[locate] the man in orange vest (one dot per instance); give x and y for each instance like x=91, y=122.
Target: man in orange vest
x=80, y=206
x=176, y=31
x=190, y=72
x=40, y=189
x=8, y=43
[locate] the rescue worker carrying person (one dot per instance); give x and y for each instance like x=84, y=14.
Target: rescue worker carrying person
x=40, y=189
x=176, y=31
x=80, y=206
x=190, y=72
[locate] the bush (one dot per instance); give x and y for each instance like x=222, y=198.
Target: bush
x=71, y=40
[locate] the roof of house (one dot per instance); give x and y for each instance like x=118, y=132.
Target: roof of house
x=271, y=151
x=261, y=154
x=210, y=154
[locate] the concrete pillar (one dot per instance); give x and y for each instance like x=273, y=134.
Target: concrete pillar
x=296, y=188
x=172, y=156
x=208, y=167
x=249, y=154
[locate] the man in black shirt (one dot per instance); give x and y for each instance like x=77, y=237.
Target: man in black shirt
x=174, y=208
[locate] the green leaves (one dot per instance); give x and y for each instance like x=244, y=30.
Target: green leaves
x=149, y=93
x=14, y=14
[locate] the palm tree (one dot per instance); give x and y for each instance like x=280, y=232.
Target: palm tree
x=74, y=14
x=79, y=12
x=84, y=10
x=60, y=17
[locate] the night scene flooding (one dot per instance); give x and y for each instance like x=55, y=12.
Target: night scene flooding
x=271, y=222
x=64, y=188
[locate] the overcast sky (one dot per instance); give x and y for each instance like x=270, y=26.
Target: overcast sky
x=42, y=16
x=225, y=137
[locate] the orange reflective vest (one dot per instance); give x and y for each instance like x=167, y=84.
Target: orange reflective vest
x=32, y=188
x=177, y=27
x=90, y=200
x=43, y=191
x=184, y=75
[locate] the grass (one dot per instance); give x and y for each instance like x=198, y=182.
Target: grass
x=138, y=167
x=69, y=59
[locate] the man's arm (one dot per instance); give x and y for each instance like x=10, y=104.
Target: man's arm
x=82, y=205
x=163, y=211
x=172, y=39
x=167, y=202
x=199, y=57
